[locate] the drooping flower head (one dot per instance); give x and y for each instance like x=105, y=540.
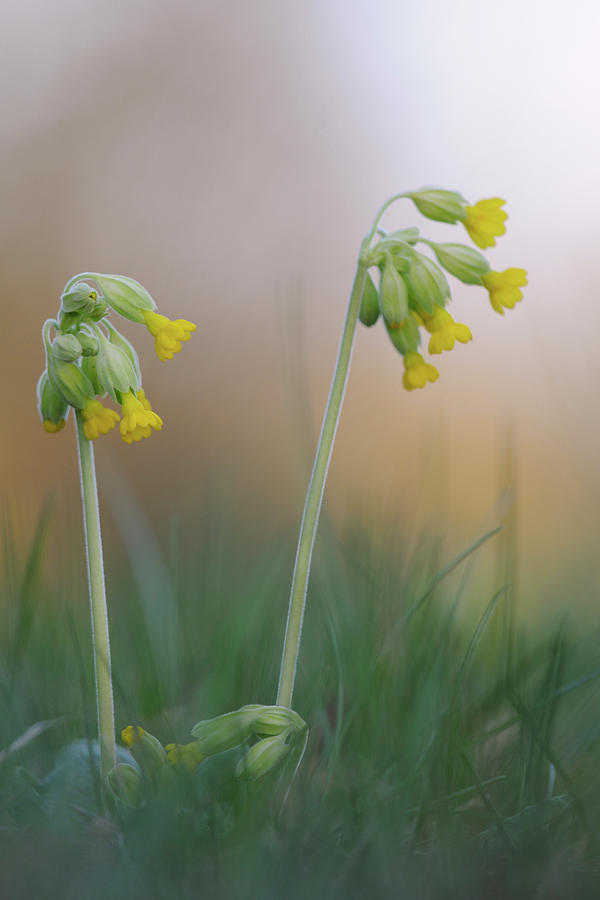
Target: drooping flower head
x=413, y=293
x=87, y=358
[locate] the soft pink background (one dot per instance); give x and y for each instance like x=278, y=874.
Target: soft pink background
x=230, y=155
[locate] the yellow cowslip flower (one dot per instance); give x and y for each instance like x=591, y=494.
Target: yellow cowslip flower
x=417, y=372
x=505, y=288
x=97, y=419
x=188, y=756
x=167, y=334
x=131, y=735
x=53, y=427
x=484, y=221
x=445, y=331
x=138, y=419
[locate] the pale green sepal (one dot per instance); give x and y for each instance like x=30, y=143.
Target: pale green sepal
x=393, y=294
x=226, y=731
x=147, y=750
x=127, y=784
x=89, y=344
x=51, y=405
x=115, y=370
x=70, y=382
x=88, y=367
x=440, y=205
x=117, y=339
x=275, y=719
x=463, y=262
x=424, y=289
x=125, y=295
x=80, y=298
x=264, y=756
x=406, y=336
x=66, y=347
x=369, y=305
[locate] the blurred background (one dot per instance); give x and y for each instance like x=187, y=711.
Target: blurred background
x=230, y=156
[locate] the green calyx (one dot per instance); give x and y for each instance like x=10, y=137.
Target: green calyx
x=439, y=205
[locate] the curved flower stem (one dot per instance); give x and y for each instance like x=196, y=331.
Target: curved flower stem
x=98, y=609
x=316, y=488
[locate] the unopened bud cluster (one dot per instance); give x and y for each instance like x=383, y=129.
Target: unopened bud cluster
x=270, y=735
x=271, y=732
x=87, y=358
x=413, y=292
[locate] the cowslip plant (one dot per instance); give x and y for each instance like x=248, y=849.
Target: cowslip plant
x=410, y=292
x=87, y=359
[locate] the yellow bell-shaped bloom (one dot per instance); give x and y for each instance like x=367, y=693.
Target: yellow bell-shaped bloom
x=97, y=419
x=417, y=372
x=445, y=331
x=167, y=334
x=505, y=288
x=138, y=419
x=484, y=221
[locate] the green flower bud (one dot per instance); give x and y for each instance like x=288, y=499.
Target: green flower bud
x=226, y=731
x=66, y=347
x=427, y=284
x=70, y=382
x=442, y=206
x=148, y=752
x=99, y=311
x=125, y=295
x=127, y=784
x=51, y=405
x=88, y=367
x=393, y=294
x=369, y=305
x=405, y=236
x=463, y=262
x=406, y=335
x=276, y=719
x=264, y=756
x=117, y=339
x=79, y=298
x=114, y=370
x=67, y=321
x=89, y=344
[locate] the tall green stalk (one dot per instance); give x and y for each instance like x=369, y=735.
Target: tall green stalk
x=98, y=608
x=314, y=496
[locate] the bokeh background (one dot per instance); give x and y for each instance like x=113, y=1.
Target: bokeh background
x=230, y=156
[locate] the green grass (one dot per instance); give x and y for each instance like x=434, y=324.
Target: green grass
x=446, y=757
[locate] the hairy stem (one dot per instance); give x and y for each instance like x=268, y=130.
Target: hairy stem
x=98, y=609
x=314, y=496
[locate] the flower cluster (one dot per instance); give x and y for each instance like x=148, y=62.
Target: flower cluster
x=413, y=292
x=87, y=358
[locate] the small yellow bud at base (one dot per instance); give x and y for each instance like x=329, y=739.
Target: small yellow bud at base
x=131, y=735
x=53, y=427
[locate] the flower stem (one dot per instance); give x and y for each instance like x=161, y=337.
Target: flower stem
x=98, y=609
x=316, y=488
